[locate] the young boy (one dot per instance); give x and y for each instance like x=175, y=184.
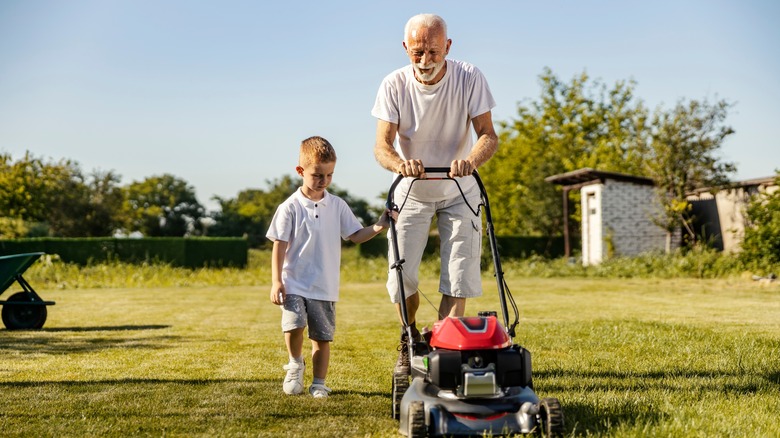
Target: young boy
x=306, y=259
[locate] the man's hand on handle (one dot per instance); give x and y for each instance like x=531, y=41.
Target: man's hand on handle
x=416, y=168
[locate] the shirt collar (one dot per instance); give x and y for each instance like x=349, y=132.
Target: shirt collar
x=308, y=202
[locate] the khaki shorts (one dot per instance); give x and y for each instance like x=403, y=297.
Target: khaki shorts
x=460, y=231
x=320, y=316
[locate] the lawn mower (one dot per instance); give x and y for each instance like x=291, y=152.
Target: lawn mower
x=468, y=377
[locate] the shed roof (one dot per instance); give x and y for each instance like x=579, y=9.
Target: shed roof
x=587, y=176
x=767, y=181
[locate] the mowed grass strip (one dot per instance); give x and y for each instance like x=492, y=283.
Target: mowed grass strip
x=634, y=357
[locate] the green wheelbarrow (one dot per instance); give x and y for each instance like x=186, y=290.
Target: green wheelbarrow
x=23, y=310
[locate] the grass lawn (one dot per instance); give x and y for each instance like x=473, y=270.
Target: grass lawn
x=642, y=357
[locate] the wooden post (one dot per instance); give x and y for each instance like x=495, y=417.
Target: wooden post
x=566, y=245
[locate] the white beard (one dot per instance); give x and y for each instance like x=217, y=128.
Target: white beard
x=429, y=76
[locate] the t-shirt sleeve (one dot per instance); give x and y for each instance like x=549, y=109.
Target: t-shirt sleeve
x=481, y=99
x=386, y=103
x=349, y=222
x=281, y=224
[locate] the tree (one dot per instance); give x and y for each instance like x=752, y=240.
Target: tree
x=360, y=207
x=574, y=125
x=251, y=212
x=683, y=157
x=163, y=206
x=30, y=186
x=106, y=198
x=57, y=197
x=761, y=244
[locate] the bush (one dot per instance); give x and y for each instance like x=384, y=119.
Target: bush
x=177, y=251
x=761, y=245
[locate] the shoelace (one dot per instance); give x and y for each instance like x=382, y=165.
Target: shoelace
x=293, y=371
x=315, y=388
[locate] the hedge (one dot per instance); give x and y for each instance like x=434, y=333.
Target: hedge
x=176, y=251
x=508, y=246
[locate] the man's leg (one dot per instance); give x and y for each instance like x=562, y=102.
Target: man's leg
x=451, y=306
x=412, y=304
x=460, y=230
x=402, y=364
x=412, y=229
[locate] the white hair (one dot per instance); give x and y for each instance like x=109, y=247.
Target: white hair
x=424, y=20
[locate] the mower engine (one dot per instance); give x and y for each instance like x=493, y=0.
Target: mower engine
x=475, y=357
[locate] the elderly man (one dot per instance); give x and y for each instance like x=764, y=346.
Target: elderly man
x=431, y=107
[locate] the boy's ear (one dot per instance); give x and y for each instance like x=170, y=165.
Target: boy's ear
x=299, y=169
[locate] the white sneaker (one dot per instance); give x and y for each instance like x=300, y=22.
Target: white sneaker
x=293, y=381
x=319, y=391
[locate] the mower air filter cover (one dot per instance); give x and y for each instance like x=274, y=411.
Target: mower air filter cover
x=469, y=333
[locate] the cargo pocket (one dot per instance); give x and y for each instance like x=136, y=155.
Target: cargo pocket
x=476, y=237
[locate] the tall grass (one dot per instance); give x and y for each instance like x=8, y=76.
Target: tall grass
x=699, y=263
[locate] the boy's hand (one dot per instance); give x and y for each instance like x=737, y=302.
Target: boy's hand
x=278, y=294
x=384, y=220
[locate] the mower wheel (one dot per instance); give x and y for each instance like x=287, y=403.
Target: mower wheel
x=400, y=385
x=416, y=421
x=551, y=417
x=23, y=316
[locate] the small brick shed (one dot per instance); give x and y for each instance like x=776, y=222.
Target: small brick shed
x=617, y=213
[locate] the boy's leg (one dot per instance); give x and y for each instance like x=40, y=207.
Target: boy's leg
x=322, y=327
x=320, y=358
x=294, y=341
x=293, y=324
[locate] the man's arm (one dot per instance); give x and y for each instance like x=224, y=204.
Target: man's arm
x=387, y=156
x=484, y=148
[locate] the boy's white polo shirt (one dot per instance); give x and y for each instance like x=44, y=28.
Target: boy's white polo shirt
x=312, y=230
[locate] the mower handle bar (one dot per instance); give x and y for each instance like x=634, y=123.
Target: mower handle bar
x=398, y=264
x=445, y=170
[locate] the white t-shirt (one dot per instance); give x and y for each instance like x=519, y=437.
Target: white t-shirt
x=312, y=230
x=434, y=121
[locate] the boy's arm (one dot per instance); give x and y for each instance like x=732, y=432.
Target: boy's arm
x=369, y=232
x=277, y=261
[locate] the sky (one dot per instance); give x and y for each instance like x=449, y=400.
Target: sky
x=221, y=93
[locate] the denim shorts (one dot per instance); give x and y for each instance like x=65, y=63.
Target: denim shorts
x=320, y=316
x=460, y=230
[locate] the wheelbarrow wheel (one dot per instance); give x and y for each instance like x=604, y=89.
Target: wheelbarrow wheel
x=23, y=316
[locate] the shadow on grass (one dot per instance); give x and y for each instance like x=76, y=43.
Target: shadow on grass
x=188, y=407
x=118, y=328
x=130, y=381
x=42, y=341
x=582, y=419
x=669, y=380
x=600, y=417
